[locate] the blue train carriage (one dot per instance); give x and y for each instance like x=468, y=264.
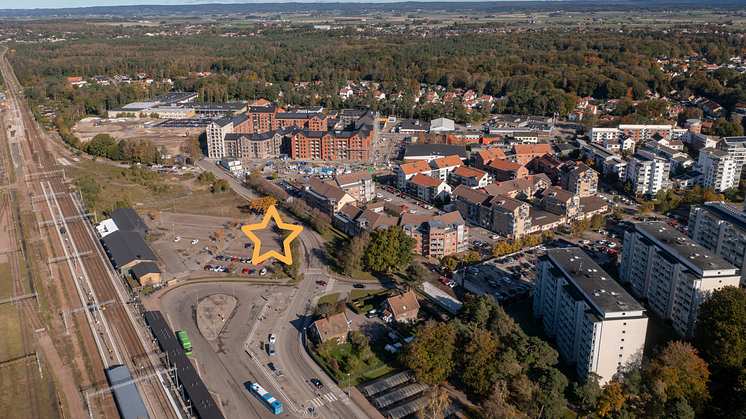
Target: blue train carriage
x=267, y=399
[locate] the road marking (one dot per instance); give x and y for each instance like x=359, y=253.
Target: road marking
x=323, y=399
x=63, y=161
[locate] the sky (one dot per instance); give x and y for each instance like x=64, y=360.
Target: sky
x=60, y=4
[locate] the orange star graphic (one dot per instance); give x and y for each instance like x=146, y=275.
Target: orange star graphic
x=249, y=231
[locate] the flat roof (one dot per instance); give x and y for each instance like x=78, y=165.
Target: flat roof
x=596, y=284
x=688, y=251
x=443, y=150
x=726, y=213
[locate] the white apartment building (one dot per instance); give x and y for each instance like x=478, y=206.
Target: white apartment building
x=721, y=229
x=717, y=168
x=638, y=133
x=648, y=172
x=215, y=137
x=673, y=272
x=599, y=327
x=736, y=147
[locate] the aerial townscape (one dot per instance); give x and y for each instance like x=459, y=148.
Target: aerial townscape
x=393, y=210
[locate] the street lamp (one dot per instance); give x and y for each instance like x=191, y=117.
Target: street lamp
x=348, y=383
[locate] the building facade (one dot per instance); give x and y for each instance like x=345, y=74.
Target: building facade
x=359, y=185
x=718, y=169
x=721, y=229
x=672, y=272
x=436, y=236
x=599, y=327
x=736, y=147
x=578, y=179
x=647, y=172
x=328, y=199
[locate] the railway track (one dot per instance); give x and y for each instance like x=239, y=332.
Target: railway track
x=102, y=280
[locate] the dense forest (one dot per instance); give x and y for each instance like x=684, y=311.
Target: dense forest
x=536, y=72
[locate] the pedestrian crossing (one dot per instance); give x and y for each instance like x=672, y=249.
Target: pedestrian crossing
x=323, y=399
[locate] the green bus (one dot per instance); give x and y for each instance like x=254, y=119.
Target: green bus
x=184, y=341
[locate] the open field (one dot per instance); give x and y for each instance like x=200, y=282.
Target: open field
x=114, y=185
x=229, y=204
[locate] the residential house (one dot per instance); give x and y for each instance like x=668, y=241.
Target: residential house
x=485, y=157
x=524, y=153
x=473, y=178
x=427, y=188
x=437, y=236
x=521, y=188
x=510, y=217
x=721, y=229
x=407, y=171
x=327, y=198
x=359, y=185
x=578, y=178
x=503, y=170
x=561, y=202
x=401, y=308
x=335, y=328
x=443, y=167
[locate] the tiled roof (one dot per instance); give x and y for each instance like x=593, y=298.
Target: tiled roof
x=352, y=178
x=425, y=181
x=504, y=165
x=532, y=148
x=449, y=161
x=332, y=326
x=470, y=173
x=326, y=190
x=414, y=168
x=559, y=194
x=404, y=302
x=506, y=203
x=470, y=195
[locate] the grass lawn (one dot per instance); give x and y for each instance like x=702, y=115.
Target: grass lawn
x=341, y=351
x=374, y=297
x=114, y=185
x=334, y=236
x=331, y=299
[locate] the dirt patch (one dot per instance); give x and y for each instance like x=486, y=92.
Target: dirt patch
x=136, y=129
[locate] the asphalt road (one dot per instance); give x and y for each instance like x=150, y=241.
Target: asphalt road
x=224, y=364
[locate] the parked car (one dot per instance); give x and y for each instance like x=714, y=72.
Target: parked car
x=195, y=241
x=263, y=272
x=252, y=271
x=358, y=286
x=207, y=267
x=272, y=338
x=245, y=271
x=177, y=239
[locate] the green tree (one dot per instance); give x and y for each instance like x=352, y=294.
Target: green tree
x=722, y=128
x=389, y=248
x=598, y=221
x=645, y=208
x=450, y=263
x=354, y=253
x=479, y=362
x=437, y=404
x=627, y=186
x=416, y=275
x=721, y=330
x=221, y=185
x=472, y=257
x=431, y=354
x=588, y=392
x=681, y=410
x=99, y=145
x=683, y=372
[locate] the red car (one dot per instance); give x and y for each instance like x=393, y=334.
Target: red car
x=403, y=207
x=322, y=283
x=612, y=251
x=207, y=267
x=245, y=271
